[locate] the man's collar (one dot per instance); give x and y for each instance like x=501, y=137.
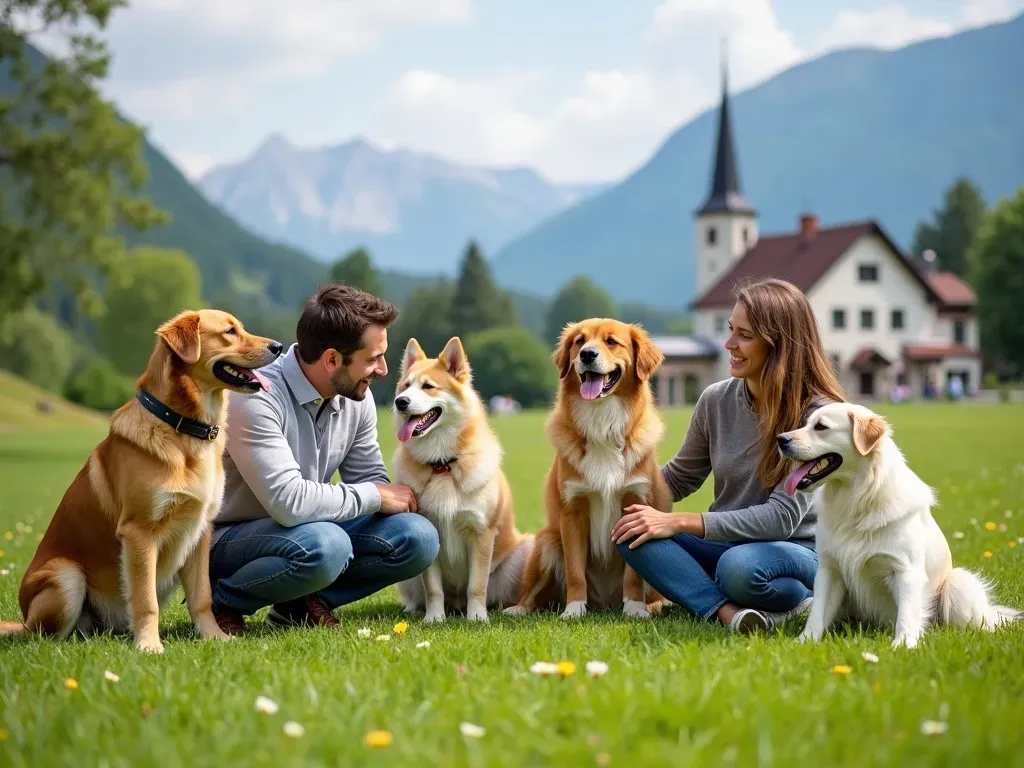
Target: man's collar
x=303, y=391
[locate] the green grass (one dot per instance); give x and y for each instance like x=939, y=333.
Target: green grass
x=677, y=693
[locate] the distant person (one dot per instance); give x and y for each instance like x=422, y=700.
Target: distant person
x=286, y=536
x=749, y=562
x=956, y=388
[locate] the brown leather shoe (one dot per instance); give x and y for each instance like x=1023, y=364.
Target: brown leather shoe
x=230, y=621
x=308, y=610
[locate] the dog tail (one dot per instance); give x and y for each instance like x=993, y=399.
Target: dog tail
x=965, y=600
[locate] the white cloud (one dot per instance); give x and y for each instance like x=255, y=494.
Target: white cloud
x=192, y=164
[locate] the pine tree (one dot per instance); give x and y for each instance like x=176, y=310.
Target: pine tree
x=356, y=269
x=954, y=229
x=478, y=303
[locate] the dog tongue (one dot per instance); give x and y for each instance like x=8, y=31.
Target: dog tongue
x=591, y=387
x=263, y=381
x=407, y=428
x=798, y=474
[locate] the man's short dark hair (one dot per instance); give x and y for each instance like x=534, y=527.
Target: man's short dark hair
x=335, y=317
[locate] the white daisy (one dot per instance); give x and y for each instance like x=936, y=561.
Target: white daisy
x=364, y=632
x=544, y=668
x=596, y=668
x=293, y=730
x=111, y=676
x=265, y=705
x=423, y=644
x=934, y=727
x=869, y=657
x=471, y=731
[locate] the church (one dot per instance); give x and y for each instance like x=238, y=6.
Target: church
x=888, y=326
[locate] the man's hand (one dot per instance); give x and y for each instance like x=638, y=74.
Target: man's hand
x=644, y=523
x=395, y=498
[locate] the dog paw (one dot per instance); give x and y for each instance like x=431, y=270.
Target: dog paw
x=152, y=645
x=412, y=608
x=575, y=610
x=477, y=613
x=806, y=637
x=635, y=609
x=515, y=610
x=218, y=635
x=658, y=606
x=905, y=641
x=434, y=617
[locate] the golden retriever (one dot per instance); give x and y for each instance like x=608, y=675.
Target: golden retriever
x=882, y=558
x=605, y=431
x=137, y=517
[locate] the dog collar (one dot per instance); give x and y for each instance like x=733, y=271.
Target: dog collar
x=442, y=467
x=180, y=423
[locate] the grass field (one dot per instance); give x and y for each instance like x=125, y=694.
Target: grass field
x=676, y=692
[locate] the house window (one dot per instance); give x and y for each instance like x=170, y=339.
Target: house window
x=720, y=323
x=867, y=383
x=867, y=319
x=712, y=235
x=959, y=332
x=897, y=319
x=746, y=236
x=868, y=273
x=838, y=319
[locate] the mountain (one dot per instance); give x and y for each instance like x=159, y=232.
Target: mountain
x=854, y=134
x=412, y=211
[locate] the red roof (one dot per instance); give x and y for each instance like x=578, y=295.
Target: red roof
x=925, y=352
x=868, y=357
x=797, y=259
x=953, y=291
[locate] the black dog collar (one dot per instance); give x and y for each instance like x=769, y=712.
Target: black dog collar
x=180, y=423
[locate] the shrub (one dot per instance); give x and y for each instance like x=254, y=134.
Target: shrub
x=511, y=361
x=100, y=385
x=35, y=347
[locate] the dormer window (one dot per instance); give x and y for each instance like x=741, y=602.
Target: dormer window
x=712, y=235
x=867, y=273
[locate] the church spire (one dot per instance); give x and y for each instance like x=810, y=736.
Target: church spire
x=725, y=196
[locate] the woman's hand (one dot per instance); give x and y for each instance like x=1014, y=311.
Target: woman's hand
x=644, y=523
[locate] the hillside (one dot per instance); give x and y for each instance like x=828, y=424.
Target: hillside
x=24, y=407
x=855, y=134
x=412, y=211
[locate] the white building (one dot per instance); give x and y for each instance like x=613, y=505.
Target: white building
x=884, y=322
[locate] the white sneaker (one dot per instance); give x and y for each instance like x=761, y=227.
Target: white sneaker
x=747, y=620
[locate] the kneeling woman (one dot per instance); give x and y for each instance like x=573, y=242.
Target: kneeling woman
x=750, y=560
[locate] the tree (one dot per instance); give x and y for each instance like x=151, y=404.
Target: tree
x=578, y=299
x=156, y=284
x=35, y=347
x=356, y=268
x=100, y=386
x=423, y=315
x=68, y=164
x=478, y=303
x=954, y=229
x=997, y=274
x=511, y=361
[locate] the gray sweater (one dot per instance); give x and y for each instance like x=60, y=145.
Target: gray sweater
x=722, y=439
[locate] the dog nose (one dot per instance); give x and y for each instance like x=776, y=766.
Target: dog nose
x=784, y=440
x=276, y=347
x=401, y=403
x=588, y=355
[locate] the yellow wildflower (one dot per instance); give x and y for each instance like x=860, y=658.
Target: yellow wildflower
x=9, y=536
x=565, y=668
x=3, y=735
x=842, y=669
x=377, y=739
x=400, y=628
x=71, y=684
x=986, y=553
x=990, y=526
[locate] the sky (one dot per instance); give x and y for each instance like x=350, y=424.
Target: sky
x=579, y=90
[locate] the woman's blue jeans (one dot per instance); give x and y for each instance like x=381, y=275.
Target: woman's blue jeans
x=703, y=575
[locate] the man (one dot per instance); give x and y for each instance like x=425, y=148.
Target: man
x=286, y=536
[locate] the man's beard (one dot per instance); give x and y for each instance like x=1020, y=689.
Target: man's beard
x=346, y=386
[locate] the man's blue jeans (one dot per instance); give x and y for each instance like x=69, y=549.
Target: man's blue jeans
x=261, y=563
x=703, y=575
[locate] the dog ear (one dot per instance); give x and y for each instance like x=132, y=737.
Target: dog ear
x=563, y=356
x=453, y=357
x=646, y=355
x=413, y=354
x=181, y=334
x=868, y=430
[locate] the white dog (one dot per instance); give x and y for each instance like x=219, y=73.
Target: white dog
x=882, y=559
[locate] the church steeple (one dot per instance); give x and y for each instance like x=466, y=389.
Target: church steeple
x=725, y=196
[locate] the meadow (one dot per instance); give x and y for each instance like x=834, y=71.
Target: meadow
x=676, y=692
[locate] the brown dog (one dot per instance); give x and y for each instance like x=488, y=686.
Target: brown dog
x=605, y=430
x=137, y=517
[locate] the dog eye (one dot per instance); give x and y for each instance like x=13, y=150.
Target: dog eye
x=819, y=427
x=612, y=343
x=231, y=331
x=428, y=385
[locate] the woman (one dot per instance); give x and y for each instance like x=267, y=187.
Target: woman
x=750, y=560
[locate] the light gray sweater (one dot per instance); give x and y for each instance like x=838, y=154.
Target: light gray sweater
x=722, y=439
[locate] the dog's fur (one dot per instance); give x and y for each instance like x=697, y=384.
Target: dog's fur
x=605, y=460
x=136, y=519
x=454, y=467
x=883, y=560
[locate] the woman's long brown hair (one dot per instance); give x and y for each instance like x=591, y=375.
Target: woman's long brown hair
x=796, y=371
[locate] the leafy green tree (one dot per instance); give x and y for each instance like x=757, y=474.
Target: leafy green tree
x=578, y=299
x=954, y=227
x=69, y=166
x=356, y=268
x=997, y=274
x=478, y=303
x=35, y=347
x=99, y=385
x=511, y=361
x=423, y=315
x=155, y=285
